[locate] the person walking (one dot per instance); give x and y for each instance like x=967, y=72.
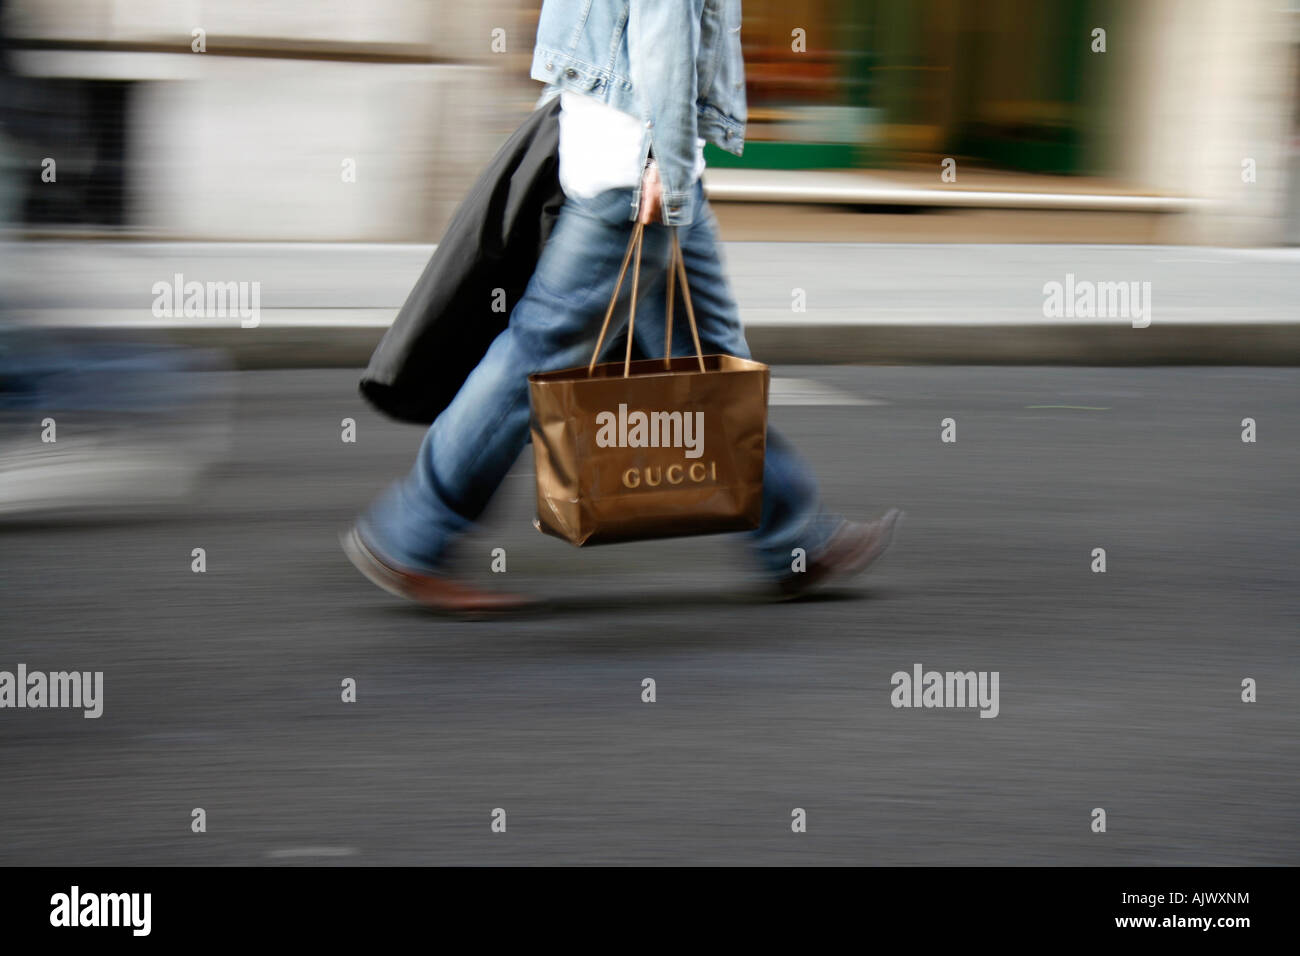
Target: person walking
x=643, y=85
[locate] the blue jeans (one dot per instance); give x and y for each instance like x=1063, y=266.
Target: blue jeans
x=468, y=451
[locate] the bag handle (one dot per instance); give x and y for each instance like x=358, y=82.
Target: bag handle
x=675, y=264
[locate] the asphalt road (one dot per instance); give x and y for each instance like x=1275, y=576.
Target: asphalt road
x=1119, y=690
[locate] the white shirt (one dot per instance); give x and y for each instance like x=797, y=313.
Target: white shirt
x=600, y=147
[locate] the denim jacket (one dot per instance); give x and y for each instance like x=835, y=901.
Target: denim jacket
x=674, y=64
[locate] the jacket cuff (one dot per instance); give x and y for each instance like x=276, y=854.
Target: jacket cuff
x=678, y=208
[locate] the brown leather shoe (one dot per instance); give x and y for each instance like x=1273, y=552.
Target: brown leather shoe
x=432, y=590
x=851, y=550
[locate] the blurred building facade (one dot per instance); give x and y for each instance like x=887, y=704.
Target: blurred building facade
x=342, y=121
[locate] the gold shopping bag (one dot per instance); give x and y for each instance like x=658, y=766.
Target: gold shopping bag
x=657, y=448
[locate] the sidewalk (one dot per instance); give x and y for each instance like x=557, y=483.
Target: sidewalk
x=915, y=205
x=974, y=188
x=328, y=304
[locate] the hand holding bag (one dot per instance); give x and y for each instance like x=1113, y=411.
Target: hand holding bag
x=629, y=451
